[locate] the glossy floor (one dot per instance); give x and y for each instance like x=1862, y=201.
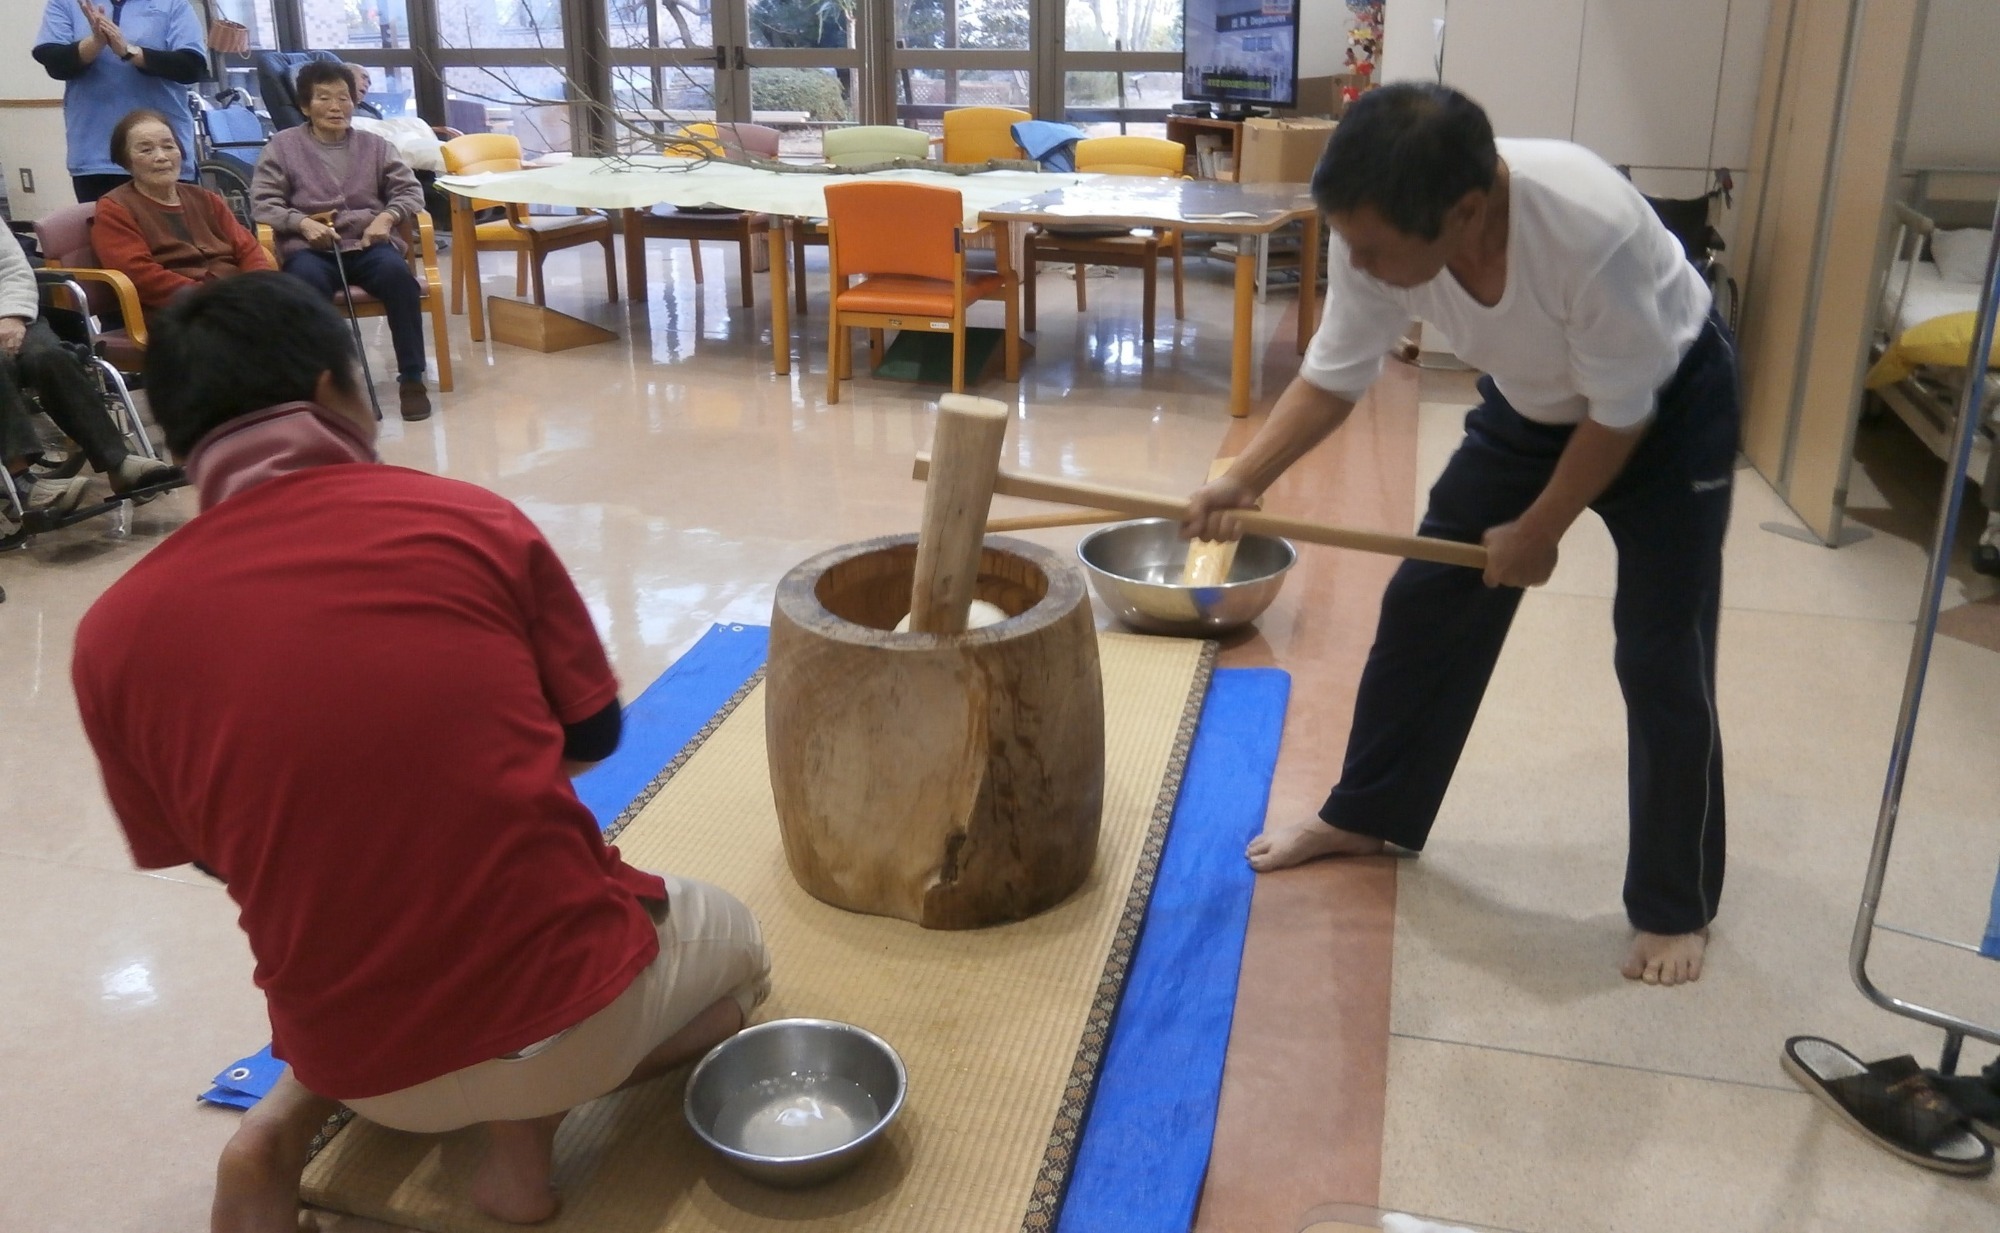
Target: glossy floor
x=1443, y=1036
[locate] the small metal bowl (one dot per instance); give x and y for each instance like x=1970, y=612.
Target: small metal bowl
x=1136, y=568
x=795, y=1102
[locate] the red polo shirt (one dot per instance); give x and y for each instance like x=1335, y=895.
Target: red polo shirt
x=343, y=691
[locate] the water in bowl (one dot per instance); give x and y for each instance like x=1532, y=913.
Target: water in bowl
x=796, y=1115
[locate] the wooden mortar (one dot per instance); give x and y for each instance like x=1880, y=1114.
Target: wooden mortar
x=954, y=780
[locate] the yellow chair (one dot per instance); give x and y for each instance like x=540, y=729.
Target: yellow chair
x=907, y=244
x=976, y=134
x=421, y=249
x=738, y=227
x=531, y=237
x=1115, y=246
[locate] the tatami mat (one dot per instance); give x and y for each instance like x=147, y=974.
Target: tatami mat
x=1002, y=1029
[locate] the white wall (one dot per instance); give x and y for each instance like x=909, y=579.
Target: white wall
x=1668, y=86
x=1322, y=38
x=1955, y=113
x=30, y=137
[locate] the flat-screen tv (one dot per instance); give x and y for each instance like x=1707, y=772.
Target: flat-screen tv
x=1241, y=53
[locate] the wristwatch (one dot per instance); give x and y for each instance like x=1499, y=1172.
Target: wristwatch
x=128, y=53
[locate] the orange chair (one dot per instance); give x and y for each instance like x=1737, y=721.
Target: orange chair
x=531, y=237
x=1115, y=246
x=421, y=247
x=976, y=134
x=738, y=227
x=906, y=242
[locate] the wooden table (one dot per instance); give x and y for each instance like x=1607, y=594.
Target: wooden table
x=1192, y=205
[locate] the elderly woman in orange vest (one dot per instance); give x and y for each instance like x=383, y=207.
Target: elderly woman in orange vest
x=165, y=235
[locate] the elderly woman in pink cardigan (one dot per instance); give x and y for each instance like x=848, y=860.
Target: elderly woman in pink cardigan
x=326, y=169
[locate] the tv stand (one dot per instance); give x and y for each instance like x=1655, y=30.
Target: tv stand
x=1189, y=129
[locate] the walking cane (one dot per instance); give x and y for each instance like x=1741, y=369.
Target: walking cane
x=353, y=322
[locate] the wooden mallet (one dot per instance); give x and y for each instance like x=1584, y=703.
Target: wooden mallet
x=1153, y=505
x=957, y=498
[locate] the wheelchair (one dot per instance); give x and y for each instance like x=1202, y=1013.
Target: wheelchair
x=1692, y=222
x=61, y=459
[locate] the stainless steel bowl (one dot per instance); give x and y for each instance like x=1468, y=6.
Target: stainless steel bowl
x=1136, y=568
x=795, y=1102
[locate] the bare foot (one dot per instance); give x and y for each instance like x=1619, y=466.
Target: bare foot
x=1306, y=841
x=1666, y=958
x=513, y=1179
x=257, y=1178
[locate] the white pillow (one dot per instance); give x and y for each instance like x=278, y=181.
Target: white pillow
x=417, y=145
x=1961, y=255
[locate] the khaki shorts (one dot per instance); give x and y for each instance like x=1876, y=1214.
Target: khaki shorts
x=710, y=948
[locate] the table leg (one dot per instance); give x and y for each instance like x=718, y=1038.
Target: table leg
x=1010, y=283
x=1309, y=282
x=635, y=257
x=1246, y=316
x=465, y=260
x=779, y=241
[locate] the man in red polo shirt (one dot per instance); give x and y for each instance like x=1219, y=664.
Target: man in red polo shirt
x=355, y=693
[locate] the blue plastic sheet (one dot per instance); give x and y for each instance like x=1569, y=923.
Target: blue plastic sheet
x=1145, y=1144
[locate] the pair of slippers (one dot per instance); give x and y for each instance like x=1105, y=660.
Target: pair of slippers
x=1941, y=1122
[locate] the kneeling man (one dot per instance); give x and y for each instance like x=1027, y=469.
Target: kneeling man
x=355, y=693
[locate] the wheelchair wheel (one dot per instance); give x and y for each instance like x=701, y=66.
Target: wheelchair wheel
x=229, y=178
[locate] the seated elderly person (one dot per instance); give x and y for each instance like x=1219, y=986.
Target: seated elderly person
x=166, y=236
x=412, y=771
x=32, y=357
x=326, y=184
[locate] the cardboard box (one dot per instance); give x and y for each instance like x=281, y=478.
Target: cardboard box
x=1283, y=151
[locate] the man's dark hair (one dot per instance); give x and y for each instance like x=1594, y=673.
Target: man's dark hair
x=317, y=73
x=1410, y=152
x=122, y=131
x=237, y=346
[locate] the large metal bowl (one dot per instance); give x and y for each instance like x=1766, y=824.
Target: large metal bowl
x=1136, y=568
x=795, y=1102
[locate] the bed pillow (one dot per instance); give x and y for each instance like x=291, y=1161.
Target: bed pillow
x=1961, y=255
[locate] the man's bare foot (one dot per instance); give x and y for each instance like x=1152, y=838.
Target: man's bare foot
x=257, y=1178
x=1666, y=958
x=513, y=1179
x=1306, y=841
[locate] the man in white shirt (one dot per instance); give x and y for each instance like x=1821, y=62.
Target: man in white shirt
x=1610, y=387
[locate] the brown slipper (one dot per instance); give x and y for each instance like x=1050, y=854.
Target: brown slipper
x=416, y=400
x=1893, y=1102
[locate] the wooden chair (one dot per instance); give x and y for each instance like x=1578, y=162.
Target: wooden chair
x=64, y=237
x=855, y=146
x=976, y=134
x=531, y=237
x=421, y=249
x=736, y=227
x=906, y=242
x=1139, y=249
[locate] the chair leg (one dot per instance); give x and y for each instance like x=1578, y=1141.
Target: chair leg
x=799, y=268
x=458, y=276
x=1180, y=284
x=1011, y=346
x=440, y=339
x=1149, y=298
x=833, y=333
x=535, y=265
x=1028, y=292
x=1080, y=271
x=610, y=268
x=520, y=271
x=694, y=251
x=746, y=260
x=958, y=356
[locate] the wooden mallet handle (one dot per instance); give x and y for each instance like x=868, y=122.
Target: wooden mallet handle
x=969, y=435
x=1151, y=505
x=1061, y=518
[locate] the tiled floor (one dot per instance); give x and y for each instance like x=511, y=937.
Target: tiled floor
x=1445, y=1036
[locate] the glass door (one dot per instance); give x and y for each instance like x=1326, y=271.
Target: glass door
x=961, y=53
x=801, y=65
x=1121, y=65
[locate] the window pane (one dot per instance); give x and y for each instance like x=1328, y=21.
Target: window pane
x=254, y=16
x=801, y=23
x=390, y=90
x=801, y=104
x=499, y=23
x=333, y=24
x=656, y=100
x=986, y=24
x=660, y=23
x=932, y=89
x=1123, y=25
x=1139, y=96
x=527, y=102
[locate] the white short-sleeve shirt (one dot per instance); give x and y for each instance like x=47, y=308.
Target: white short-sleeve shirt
x=1600, y=305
